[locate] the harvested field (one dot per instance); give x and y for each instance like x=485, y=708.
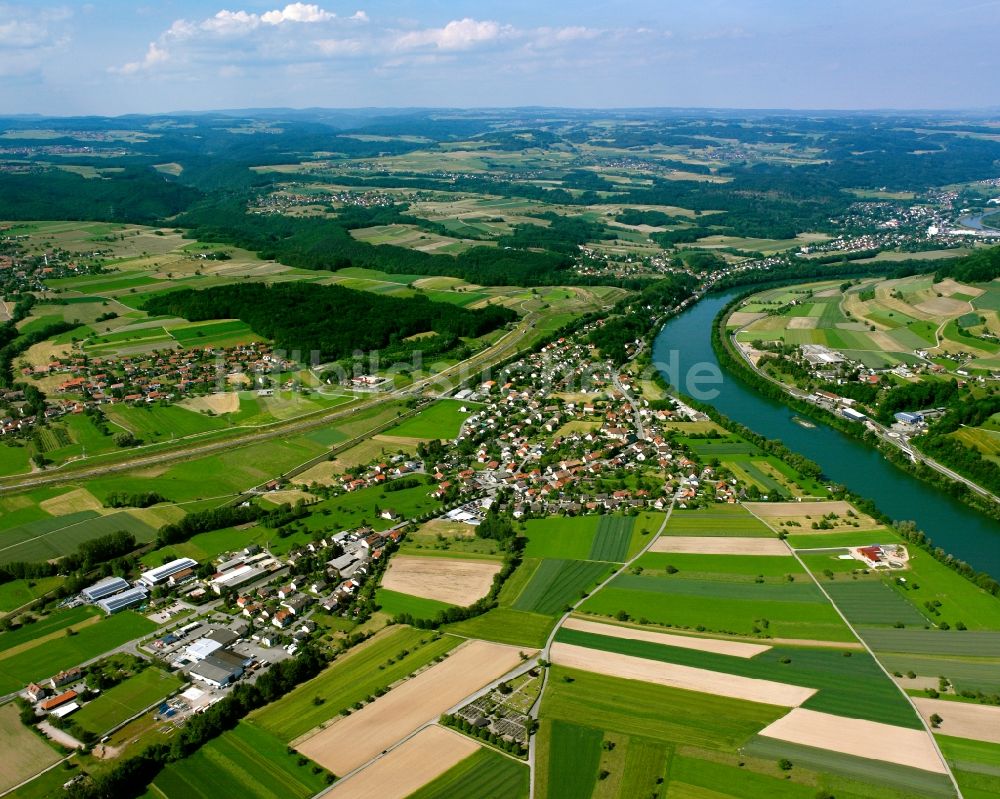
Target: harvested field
x=687, y=678
x=71, y=502
x=356, y=739
x=324, y=473
x=802, y=322
x=24, y=752
x=949, y=287
x=426, y=756
x=963, y=719
x=447, y=528
x=774, y=514
x=858, y=737
x=399, y=441
x=944, y=306
x=720, y=647
x=741, y=318
x=290, y=495
x=457, y=582
x=226, y=402
x=720, y=545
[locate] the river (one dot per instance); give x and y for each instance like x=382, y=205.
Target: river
x=959, y=529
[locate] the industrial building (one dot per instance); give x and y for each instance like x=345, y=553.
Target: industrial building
x=123, y=600
x=160, y=574
x=105, y=588
x=241, y=575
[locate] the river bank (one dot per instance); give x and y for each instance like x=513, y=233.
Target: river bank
x=685, y=342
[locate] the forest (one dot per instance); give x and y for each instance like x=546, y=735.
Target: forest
x=330, y=320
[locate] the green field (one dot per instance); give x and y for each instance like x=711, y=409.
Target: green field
x=846, y=686
x=394, y=603
x=507, y=626
x=791, y=610
x=152, y=423
x=976, y=765
x=965, y=673
x=52, y=623
x=574, y=753
x=16, y=593
x=964, y=643
x=722, y=567
x=872, y=602
x=558, y=583
x=63, y=652
x=485, y=774
x=126, y=699
x=352, y=678
x=62, y=535
x=614, y=534
x=717, y=520
x=245, y=761
x=443, y=419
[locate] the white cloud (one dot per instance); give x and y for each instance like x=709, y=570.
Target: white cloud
x=460, y=34
x=154, y=55
x=359, y=16
x=297, y=12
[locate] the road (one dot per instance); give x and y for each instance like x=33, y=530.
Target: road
x=533, y=712
x=639, y=429
x=879, y=429
x=501, y=349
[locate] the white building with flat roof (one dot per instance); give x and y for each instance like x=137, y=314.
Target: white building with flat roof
x=160, y=574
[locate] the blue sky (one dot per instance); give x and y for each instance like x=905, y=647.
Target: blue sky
x=122, y=57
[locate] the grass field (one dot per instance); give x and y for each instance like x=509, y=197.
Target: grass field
x=62, y=535
x=847, y=686
x=352, y=678
x=729, y=568
x=245, y=761
x=443, y=419
x=395, y=603
x=483, y=775
x=573, y=756
x=126, y=699
x=965, y=673
x=152, y=423
x=717, y=520
x=967, y=643
x=16, y=593
x=38, y=660
x=557, y=583
x=767, y=608
x=976, y=765
x=24, y=752
x=507, y=626
x=872, y=602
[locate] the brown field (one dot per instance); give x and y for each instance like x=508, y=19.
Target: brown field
x=869, y=739
x=291, y=496
x=353, y=741
x=774, y=514
x=741, y=318
x=451, y=580
x=949, y=287
x=447, y=528
x=720, y=545
x=325, y=473
x=225, y=402
x=72, y=502
x=24, y=753
x=802, y=322
x=408, y=767
x=686, y=678
x=733, y=648
x=963, y=719
x=400, y=441
x=944, y=306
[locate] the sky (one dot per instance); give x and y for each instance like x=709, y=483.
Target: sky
x=141, y=56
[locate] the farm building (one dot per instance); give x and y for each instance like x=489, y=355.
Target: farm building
x=105, y=588
x=51, y=704
x=160, y=574
x=124, y=600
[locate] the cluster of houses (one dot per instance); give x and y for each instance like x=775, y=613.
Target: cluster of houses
x=160, y=375
x=21, y=272
x=58, y=696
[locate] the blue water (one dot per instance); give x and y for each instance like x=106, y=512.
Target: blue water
x=959, y=529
